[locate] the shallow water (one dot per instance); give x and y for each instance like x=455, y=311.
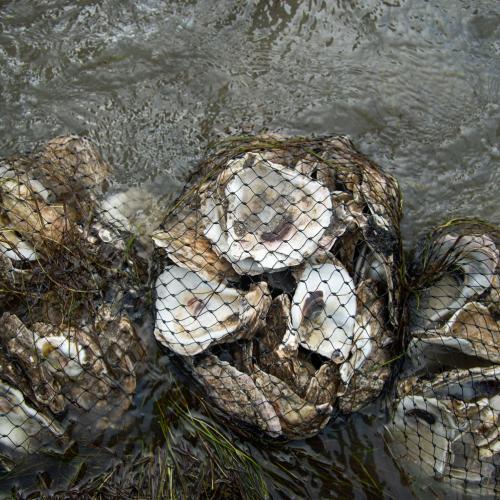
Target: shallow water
x=415, y=83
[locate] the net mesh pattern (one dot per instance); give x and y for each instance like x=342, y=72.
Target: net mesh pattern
x=70, y=281
x=447, y=402
x=279, y=287
x=278, y=281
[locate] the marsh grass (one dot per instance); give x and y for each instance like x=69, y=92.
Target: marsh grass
x=192, y=458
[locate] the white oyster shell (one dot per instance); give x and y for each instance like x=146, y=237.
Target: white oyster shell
x=448, y=425
x=193, y=313
x=472, y=331
x=63, y=353
x=12, y=246
x=267, y=217
x=425, y=429
x=470, y=262
x=323, y=312
x=22, y=428
x=361, y=350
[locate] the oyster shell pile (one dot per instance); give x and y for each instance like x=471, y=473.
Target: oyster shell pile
x=448, y=425
x=454, y=309
x=278, y=281
x=68, y=347
x=447, y=407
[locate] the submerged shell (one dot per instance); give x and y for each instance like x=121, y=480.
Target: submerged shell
x=267, y=217
x=323, y=312
x=449, y=425
x=423, y=430
x=467, y=264
x=192, y=313
x=23, y=428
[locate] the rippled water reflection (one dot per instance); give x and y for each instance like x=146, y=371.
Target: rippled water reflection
x=415, y=83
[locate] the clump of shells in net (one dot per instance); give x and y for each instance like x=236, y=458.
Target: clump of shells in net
x=69, y=277
x=445, y=420
x=278, y=280
x=279, y=285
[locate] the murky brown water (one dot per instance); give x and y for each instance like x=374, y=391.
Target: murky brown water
x=415, y=83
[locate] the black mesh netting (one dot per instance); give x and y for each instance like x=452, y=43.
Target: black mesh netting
x=279, y=286
x=279, y=281
x=70, y=281
x=447, y=404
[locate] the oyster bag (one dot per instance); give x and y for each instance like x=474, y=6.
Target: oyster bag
x=71, y=282
x=445, y=412
x=278, y=281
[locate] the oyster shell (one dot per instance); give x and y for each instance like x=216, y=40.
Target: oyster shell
x=472, y=331
x=68, y=365
x=368, y=184
x=427, y=429
x=297, y=416
x=323, y=386
x=323, y=312
x=192, y=313
x=264, y=217
x=44, y=193
x=73, y=167
x=12, y=246
x=235, y=393
x=186, y=246
x=316, y=386
x=260, y=399
x=21, y=344
x=368, y=368
x=29, y=215
x=296, y=371
x=449, y=425
x=260, y=216
x=23, y=428
x=469, y=264
x=492, y=296
x=97, y=371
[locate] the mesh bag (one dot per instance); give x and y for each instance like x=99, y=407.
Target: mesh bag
x=278, y=281
x=446, y=411
x=70, y=279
